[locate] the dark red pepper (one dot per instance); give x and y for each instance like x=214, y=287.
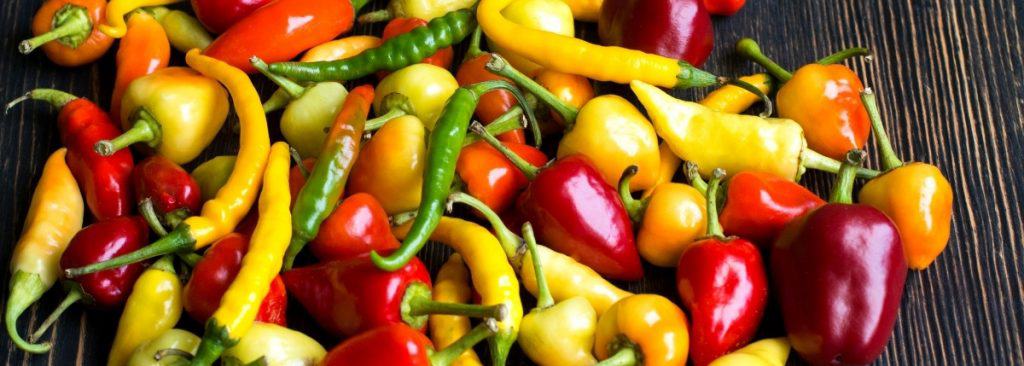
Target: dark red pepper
x=213, y=274
x=680, y=29
x=219, y=15
x=839, y=273
x=398, y=26
x=400, y=345
x=723, y=284
x=491, y=177
x=357, y=226
x=104, y=179
x=165, y=192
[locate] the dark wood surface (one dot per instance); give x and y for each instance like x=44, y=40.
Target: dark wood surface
x=949, y=74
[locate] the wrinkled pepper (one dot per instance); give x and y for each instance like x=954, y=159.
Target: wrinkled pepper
x=153, y=308
x=66, y=29
x=165, y=192
x=670, y=219
x=275, y=345
x=398, y=344
x=212, y=275
x=390, y=165
x=143, y=50
x=356, y=226
x=679, y=29
x=766, y=352
x=550, y=16
x=452, y=286
x=422, y=9
x=644, y=330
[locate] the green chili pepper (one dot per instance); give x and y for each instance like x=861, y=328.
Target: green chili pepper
x=445, y=143
x=310, y=113
x=394, y=54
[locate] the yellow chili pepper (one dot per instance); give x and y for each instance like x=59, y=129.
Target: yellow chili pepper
x=552, y=16
x=241, y=302
x=585, y=10
x=493, y=277
x=390, y=166
x=452, y=286
x=766, y=352
x=153, y=308
x=54, y=216
x=221, y=214
x=115, y=26
x=576, y=56
x=645, y=329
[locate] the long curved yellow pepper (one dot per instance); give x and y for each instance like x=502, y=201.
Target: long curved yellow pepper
x=153, y=308
x=241, y=302
x=579, y=57
x=585, y=10
x=493, y=277
x=115, y=26
x=452, y=286
x=766, y=352
x=54, y=217
x=552, y=16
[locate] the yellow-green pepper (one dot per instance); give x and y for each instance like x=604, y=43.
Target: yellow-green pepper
x=276, y=345
x=426, y=86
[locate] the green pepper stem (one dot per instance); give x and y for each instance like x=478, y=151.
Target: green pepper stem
x=215, y=341
x=814, y=160
x=165, y=263
x=73, y=296
x=714, y=229
x=544, y=299
x=481, y=88
x=510, y=242
x=448, y=355
x=417, y=304
x=474, y=44
x=842, y=191
x=748, y=48
x=691, y=77
x=298, y=162
x=146, y=129
x=25, y=289
x=175, y=217
x=190, y=259
x=376, y=123
x=394, y=105
x=509, y=121
x=626, y=356
x=71, y=27
x=768, y=105
x=177, y=240
x=499, y=66
x=148, y=213
x=376, y=16
x=55, y=97
x=693, y=174
x=890, y=160
x=293, y=89
x=634, y=207
x=528, y=169
x=277, y=101
x=842, y=55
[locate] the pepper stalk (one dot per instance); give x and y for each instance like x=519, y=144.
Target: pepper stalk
x=71, y=27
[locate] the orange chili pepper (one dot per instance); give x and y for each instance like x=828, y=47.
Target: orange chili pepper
x=341, y=48
x=646, y=329
x=491, y=177
x=66, y=29
x=143, y=50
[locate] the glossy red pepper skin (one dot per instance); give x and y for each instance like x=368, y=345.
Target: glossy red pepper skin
x=166, y=184
x=494, y=103
x=390, y=345
x=724, y=7
x=839, y=273
x=724, y=286
x=357, y=226
x=212, y=276
x=574, y=211
x=281, y=30
x=219, y=15
x=105, y=181
x=297, y=177
x=99, y=242
x=347, y=297
x=679, y=29
x=491, y=177
x=398, y=26
x=759, y=205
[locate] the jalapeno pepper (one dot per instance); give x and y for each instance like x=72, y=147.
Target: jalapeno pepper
x=66, y=29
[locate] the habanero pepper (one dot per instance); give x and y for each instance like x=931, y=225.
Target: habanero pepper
x=53, y=218
x=422, y=9
x=66, y=29
x=143, y=50
x=165, y=192
x=215, y=272
x=222, y=213
x=644, y=330
x=452, y=286
x=490, y=177
x=398, y=344
x=338, y=49
x=219, y=15
x=105, y=180
x=670, y=219
x=356, y=226
x=114, y=25
x=153, y=308
x=679, y=29
x=397, y=26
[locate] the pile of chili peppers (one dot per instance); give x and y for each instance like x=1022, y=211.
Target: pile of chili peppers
x=560, y=190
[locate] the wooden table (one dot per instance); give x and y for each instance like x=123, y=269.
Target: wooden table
x=948, y=74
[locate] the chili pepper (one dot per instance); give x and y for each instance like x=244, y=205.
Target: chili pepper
x=143, y=50
x=824, y=98
x=426, y=87
x=442, y=58
x=103, y=180
x=916, y=196
x=568, y=278
x=166, y=193
x=390, y=165
x=398, y=344
x=492, y=105
x=551, y=16
x=439, y=171
x=181, y=341
x=642, y=329
x=327, y=179
x=493, y=277
x=422, y=9
x=71, y=23
x=708, y=138
x=556, y=334
x=212, y=174
x=576, y=56
x=396, y=53
x=184, y=31
x=358, y=225
x=237, y=311
x=338, y=49
x=671, y=28
x=724, y=7
x=281, y=30
x=275, y=345
x=219, y=15
x=671, y=218
x=723, y=284
x=176, y=111
x=108, y=289
x=452, y=286
x=213, y=274
x=114, y=25
x=297, y=176
x=839, y=271
x=54, y=216
x=489, y=176
x=153, y=308
x=766, y=352
x=221, y=214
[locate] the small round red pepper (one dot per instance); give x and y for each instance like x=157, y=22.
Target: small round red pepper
x=166, y=193
x=357, y=226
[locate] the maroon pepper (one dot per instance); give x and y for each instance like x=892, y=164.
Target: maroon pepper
x=165, y=192
x=104, y=179
x=679, y=29
x=839, y=272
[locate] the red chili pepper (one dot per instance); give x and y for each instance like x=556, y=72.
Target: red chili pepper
x=166, y=193
x=219, y=15
x=398, y=26
x=724, y=7
x=297, y=177
x=491, y=177
x=212, y=276
x=143, y=50
x=680, y=29
x=494, y=103
x=357, y=226
x=400, y=345
x=758, y=206
x=104, y=179
x=281, y=30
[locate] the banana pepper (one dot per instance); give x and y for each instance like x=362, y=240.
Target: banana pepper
x=452, y=286
x=153, y=308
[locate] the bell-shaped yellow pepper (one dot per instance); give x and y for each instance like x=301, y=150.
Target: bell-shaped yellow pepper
x=766, y=352
x=643, y=329
x=175, y=110
x=553, y=16
x=277, y=345
x=390, y=166
x=427, y=88
x=452, y=286
x=671, y=218
x=153, y=308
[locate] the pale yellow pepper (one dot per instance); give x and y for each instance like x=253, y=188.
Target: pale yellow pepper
x=153, y=308
x=766, y=352
x=426, y=86
x=452, y=286
x=277, y=345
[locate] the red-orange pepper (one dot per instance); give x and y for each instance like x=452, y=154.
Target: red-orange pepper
x=66, y=29
x=496, y=102
x=144, y=49
x=491, y=177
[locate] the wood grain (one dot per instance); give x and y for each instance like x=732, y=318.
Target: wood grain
x=949, y=76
